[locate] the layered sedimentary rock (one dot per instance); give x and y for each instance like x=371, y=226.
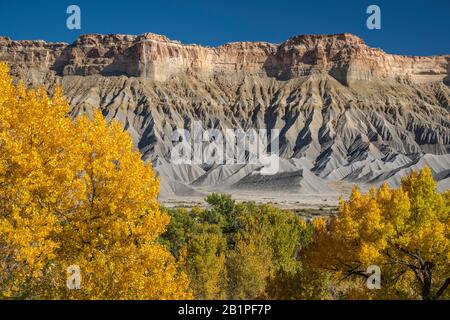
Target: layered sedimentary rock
x=348, y=111
x=344, y=56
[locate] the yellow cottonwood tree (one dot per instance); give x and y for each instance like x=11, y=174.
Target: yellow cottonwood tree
x=75, y=193
x=404, y=231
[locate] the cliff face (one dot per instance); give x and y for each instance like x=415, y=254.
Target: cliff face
x=345, y=110
x=348, y=59
x=344, y=56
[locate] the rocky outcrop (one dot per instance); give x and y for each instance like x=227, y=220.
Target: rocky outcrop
x=32, y=61
x=348, y=59
x=343, y=56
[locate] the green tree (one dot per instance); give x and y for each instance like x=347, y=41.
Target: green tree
x=206, y=263
x=249, y=264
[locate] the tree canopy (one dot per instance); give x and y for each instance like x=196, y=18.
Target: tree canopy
x=77, y=193
x=404, y=231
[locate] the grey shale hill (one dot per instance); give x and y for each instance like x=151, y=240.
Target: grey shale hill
x=348, y=113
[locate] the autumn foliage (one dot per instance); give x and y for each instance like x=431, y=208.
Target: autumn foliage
x=404, y=231
x=75, y=193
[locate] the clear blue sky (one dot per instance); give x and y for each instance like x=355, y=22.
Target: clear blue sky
x=416, y=27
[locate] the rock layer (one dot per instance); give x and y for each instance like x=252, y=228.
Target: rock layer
x=343, y=56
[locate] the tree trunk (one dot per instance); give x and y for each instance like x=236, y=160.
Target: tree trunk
x=427, y=274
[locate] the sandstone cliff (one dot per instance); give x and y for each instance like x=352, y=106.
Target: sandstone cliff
x=343, y=56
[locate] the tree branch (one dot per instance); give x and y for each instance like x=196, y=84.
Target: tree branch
x=443, y=288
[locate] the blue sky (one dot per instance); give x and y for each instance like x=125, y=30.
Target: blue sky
x=418, y=27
